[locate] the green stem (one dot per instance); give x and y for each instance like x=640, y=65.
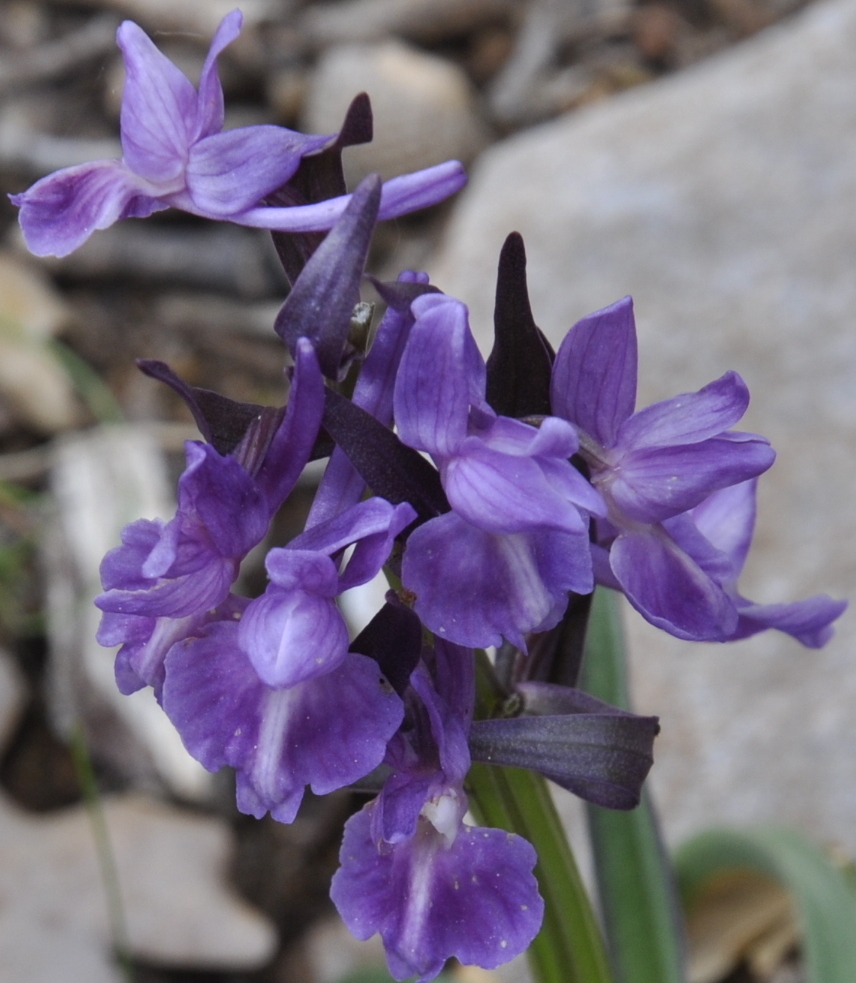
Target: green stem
x=635, y=883
x=104, y=850
x=569, y=948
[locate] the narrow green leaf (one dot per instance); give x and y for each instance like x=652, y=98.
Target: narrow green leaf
x=569, y=948
x=635, y=883
x=824, y=897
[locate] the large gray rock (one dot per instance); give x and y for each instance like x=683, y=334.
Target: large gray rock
x=722, y=198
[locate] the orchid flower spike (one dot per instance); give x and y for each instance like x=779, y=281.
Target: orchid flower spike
x=175, y=153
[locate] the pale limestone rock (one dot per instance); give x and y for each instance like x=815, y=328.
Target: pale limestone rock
x=103, y=479
x=722, y=200
x=170, y=865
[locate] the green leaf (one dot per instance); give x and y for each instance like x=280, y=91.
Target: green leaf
x=824, y=897
x=635, y=883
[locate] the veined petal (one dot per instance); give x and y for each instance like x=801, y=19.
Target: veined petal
x=727, y=519
x=61, y=211
x=474, y=588
x=654, y=483
x=371, y=520
x=226, y=500
x=553, y=438
x=420, y=189
x=571, y=485
x=441, y=374
x=158, y=109
x=504, y=494
x=327, y=732
x=292, y=444
x=594, y=375
x=399, y=196
x=122, y=567
x=342, y=485
x=476, y=899
x=293, y=635
x=669, y=589
x=302, y=569
x=228, y=173
x=808, y=621
x=209, y=106
x=188, y=593
x=688, y=418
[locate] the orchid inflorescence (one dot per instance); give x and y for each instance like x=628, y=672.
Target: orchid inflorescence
x=545, y=481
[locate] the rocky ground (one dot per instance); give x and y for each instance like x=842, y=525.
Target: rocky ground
x=716, y=191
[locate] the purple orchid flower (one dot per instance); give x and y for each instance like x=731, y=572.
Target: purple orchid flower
x=327, y=731
x=502, y=562
x=412, y=870
x=166, y=577
x=282, y=700
x=294, y=631
x=175, y=153
x=653, y=467
x=727, y=519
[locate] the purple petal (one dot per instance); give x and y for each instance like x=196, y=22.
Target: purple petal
x=727, y=519
x=571, y=485
x=669, y=589
x=655, y=483
x=61, y=211
x=158, y=110
x=122, y=567
x=714, y=562
x=689, y=418
x=441, y=374
x=226, y=500
x=201, y=588
x=293, y=635
x=594, y=375
x=553, y=438
x=421, y=189
x=292, y=444
x=455, y=681
x=397, y=808
x=448, y=724
x=342, y=485
x=209, y=106
x=399, y=196
x=372, y=525
x=229, y=172
x=326, y=732
x=501, y=493
x=476, y=900
x=474, y=588
x=808, y=621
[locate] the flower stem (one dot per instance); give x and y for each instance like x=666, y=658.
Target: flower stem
x=638, y=898
x=569, y=948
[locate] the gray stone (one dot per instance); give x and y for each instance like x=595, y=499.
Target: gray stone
x=722, y=199
x=101, y=480
x=424, y=108
x=55, y=911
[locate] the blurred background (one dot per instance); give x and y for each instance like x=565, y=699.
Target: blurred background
x=699, y=154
